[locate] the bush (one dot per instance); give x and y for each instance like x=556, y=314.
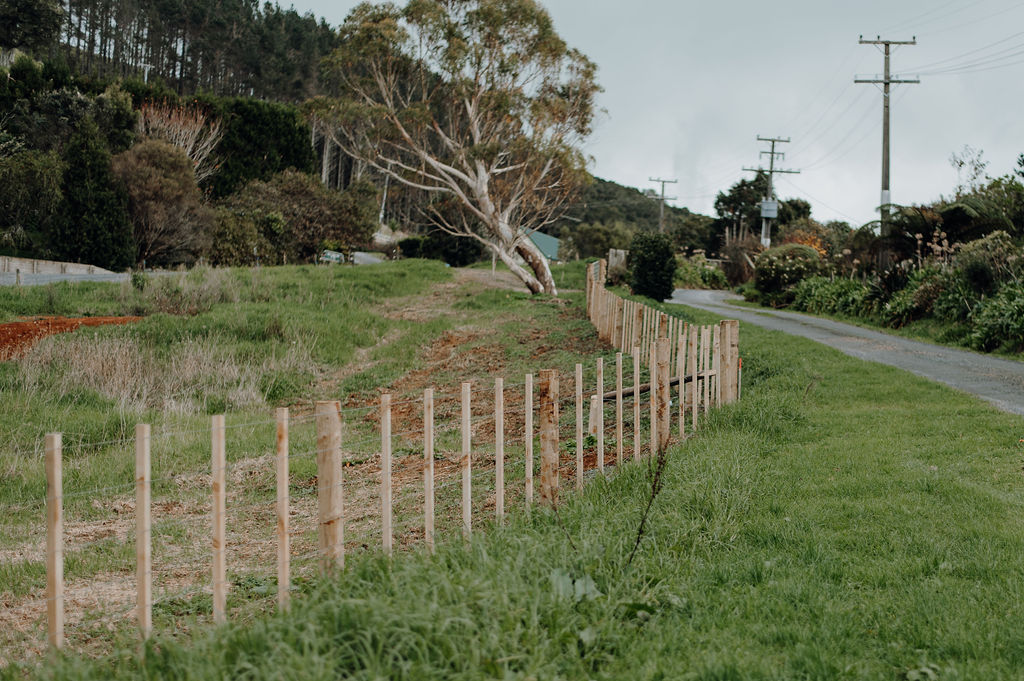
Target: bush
x=696, y=272
x=916, y=299
x=779, y=269
x=652, y=266
x=999, y=322
x=457, y=251
x=411, y=247
x=821, y=295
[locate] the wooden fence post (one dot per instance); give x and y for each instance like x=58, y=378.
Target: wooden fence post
x=653, y=364
x=386, y=506
x=681, y=373
x=730, y=354
x=467, y=472
x=638, y=322
x=580, y=441
x=284, y=578
x=620, y=323
x=54, y=541
x=716, y=363
x=428, y=467
x=664, y=392
x=330, y=494
x=143, y=532
x=219, y=472
x=600, y=414
x=529, y=440
x=636, y=403
x=705, y=360
x=499, y=449
x=618, y=408
x=693, y=362
x=549, y=437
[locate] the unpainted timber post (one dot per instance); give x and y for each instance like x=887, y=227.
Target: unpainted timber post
x=428, y=467
x=580, y=441
x=143, y=532
x=54, y=541
x=283, y=538
x=386, y=506
x=499, y=449
x=529, y=440
x=467, y=463
x=664, y=392
x=549, y=437
x=219, y=472
x=636, y=403
x=330, y=495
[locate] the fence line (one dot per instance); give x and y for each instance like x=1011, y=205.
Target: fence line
x=706, y=367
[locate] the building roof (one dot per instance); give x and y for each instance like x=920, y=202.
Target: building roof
x=547, y=244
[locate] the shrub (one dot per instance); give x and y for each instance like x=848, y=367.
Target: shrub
x=999, y=322
x=778, y=269
x=457, y=251
x=916, y=299
x=652, y=266
x=830, y=296
x=411, y=247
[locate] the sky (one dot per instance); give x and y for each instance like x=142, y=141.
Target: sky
x=689, y=86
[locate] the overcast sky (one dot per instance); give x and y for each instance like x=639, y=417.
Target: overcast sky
x=688, y=87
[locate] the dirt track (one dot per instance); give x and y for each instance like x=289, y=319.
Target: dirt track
x=17, y=337
x=996, y=380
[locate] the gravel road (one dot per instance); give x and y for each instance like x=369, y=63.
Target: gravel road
x=999, y=381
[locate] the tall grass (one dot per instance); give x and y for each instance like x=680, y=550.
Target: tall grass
x=844, y=521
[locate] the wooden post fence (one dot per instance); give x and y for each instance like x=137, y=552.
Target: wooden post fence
x=219, y=471
x=143, y=533
x=54, y=541
x=618, y=408
x=549, y=437
x=580, y=441
x=600, y=414
x=529, y=440
x=330, y=495
x=499, y=449
x=386, y=506
x=283, y=538
x=428, y=468
x=466, y=463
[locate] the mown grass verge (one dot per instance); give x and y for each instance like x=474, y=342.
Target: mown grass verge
x=844, y=521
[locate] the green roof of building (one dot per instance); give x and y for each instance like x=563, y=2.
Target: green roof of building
x=547, y=244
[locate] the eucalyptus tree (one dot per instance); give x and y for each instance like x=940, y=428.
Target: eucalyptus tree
x=478, y=103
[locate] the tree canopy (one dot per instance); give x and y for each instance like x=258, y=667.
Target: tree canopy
x=478, y=101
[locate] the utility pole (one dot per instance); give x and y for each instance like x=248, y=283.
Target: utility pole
x=661, y=215
x=770, y=207
x=885, y=82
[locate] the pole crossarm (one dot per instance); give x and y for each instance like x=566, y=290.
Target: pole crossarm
x=663, y=199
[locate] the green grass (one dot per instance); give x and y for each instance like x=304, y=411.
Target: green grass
x=844, y=521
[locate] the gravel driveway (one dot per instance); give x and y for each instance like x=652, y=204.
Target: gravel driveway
x=999, y=381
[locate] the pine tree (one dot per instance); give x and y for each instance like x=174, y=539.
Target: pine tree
x=94, y=226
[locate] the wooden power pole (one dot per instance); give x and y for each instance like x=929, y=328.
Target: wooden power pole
x=663, y=199
x=766, y=214
x=886, y=81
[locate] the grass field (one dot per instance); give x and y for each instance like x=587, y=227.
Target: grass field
x=844, y=521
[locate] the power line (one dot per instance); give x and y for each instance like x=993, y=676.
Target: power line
x=886, y=81
x=661, y=214
x=766, y=208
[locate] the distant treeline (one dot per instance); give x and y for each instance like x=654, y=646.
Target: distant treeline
x=228, y=47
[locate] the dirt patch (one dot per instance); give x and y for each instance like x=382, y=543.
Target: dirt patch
x=18, y=337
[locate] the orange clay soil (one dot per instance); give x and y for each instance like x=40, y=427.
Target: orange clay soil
x=17, y=337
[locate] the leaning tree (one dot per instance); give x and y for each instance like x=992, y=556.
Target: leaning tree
x=478, y=103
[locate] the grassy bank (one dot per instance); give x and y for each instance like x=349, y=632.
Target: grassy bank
x=845, y=521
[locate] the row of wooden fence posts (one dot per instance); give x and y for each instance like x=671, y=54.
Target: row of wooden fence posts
x=707, y=357
x=700, y=354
